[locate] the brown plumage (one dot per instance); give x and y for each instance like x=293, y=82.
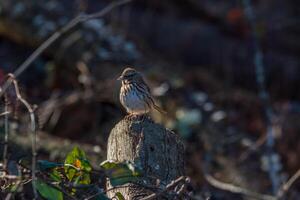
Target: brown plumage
x=135, y=94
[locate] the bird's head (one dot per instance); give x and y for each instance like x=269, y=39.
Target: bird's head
x=130, y=75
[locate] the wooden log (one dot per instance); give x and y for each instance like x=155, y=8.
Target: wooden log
x=158, y=151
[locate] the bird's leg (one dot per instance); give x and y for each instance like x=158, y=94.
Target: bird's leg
x=144, y=115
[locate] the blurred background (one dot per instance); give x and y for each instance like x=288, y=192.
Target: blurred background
x=227, y=73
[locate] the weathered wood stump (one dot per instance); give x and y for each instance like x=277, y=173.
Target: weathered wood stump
x=157, y=150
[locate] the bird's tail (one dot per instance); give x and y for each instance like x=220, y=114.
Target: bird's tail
x=159, y=109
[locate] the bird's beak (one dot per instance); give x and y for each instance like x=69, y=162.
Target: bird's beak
x=120, y=78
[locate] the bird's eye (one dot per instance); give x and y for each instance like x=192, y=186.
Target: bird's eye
x=128, y=75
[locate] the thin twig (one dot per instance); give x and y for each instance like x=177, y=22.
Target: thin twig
x=11, y=177
x=257, y=144
x=168, y=188
x=286, y=186
x=72, y=23
x=105, y=10
x=183, y=187
x=236, y=189
x=10, y=195
x=17, y=185
x=32, y=129
x=70, y=165
x=264, y=96
x=6, y=133
x=4, y=113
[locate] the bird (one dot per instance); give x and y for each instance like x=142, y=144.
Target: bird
x=135, y=95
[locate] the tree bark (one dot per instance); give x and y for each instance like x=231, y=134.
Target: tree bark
x=158, y=151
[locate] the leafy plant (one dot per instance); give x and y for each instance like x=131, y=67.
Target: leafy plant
x=47, y=191
x=76, y=172
x=77, y=167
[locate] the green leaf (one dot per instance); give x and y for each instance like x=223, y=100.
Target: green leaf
x=55, y=175
x=120, y=173
x=85, y=179
x=44, y=165
x=47, y=191
x=120, y=196
x=70, y=172
x=77, y=164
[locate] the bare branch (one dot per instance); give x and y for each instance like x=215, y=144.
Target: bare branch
x=168, y=188
x=4, y=113
x=236, y=189
x=30, y=109
x=72, y=23
x=286, y=186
